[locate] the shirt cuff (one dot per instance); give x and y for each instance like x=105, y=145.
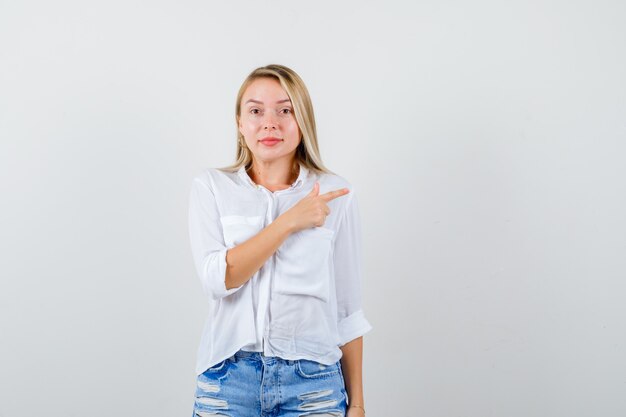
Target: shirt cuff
x=353, y=326
x=216, y=274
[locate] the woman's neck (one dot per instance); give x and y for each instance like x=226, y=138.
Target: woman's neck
x=275, y=175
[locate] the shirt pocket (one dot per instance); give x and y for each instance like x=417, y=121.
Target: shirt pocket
x=237, y=229
x=303, y=263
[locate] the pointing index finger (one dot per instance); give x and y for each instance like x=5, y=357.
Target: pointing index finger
x=334, y=194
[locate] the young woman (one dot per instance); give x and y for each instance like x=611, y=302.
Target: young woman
x=276, y=241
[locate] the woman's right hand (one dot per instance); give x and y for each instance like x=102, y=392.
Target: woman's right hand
x=312, y=210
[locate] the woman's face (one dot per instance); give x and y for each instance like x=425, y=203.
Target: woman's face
x=266, y=112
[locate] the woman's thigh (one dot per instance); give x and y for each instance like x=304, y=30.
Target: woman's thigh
x=310, y=389
x=230, y=388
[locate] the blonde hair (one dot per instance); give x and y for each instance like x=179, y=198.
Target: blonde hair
x=307, y=151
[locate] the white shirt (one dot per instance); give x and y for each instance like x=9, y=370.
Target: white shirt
x=305, y=301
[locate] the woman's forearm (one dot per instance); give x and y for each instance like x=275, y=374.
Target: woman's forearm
x=245, y=259
x=352, y=367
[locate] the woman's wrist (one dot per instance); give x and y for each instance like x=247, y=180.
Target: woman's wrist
x=357, y=406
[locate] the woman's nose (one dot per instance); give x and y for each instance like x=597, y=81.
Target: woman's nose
x=270, y=121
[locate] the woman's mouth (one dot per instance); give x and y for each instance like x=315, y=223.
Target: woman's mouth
x=270, y=141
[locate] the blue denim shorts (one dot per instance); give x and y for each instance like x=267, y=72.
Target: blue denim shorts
x=250, y=384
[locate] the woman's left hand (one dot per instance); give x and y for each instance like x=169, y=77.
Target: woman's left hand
x=355, y=412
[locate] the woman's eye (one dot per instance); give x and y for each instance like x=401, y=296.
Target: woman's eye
x=253, y=111
x=287, y=110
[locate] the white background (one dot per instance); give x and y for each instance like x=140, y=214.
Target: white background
x=486, y=139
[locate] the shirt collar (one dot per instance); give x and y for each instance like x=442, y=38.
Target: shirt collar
x=302, y=176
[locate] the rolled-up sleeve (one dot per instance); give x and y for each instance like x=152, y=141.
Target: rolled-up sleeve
x=207, y=242
x=348, y=265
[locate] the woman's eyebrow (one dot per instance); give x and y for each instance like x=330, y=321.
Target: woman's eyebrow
x=260, y=102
